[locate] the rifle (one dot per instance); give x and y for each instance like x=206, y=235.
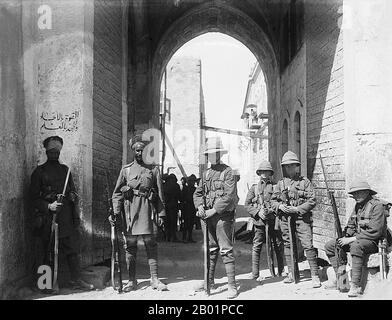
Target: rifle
x=342, y=276
x=268, y=240
x=206, y=243
x=292, y=236
x=115, y=266
x=54, y=235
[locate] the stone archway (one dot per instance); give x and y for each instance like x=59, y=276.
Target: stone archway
x=225, y=19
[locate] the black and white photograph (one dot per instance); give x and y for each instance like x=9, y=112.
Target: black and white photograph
x=194, y=156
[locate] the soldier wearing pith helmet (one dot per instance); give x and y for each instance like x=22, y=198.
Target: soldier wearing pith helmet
x=366, y=225
x=258, y=205
x=299, y=192
x=220, y=188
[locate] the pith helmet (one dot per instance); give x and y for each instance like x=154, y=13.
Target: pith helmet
x=214, y=145
x=360, y=185
x=290, y=157
x=264, y=166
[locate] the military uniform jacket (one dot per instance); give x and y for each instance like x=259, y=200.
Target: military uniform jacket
x=220, y=187
x=47, y=181
x=300, y=193
x=367, y=221
x=254, y=201
x=141, y=211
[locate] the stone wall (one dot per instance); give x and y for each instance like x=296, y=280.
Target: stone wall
x=107, y=113
x=184, y=93
x=14, y=180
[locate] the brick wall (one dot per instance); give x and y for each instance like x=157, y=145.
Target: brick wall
x=107, y=111
x=325, y=110
x=292, y=101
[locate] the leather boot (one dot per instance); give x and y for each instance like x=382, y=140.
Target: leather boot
x=311, y=256
x=356, y=273
x=232, y=286
x=131, y=266
x=157, y=284
x=355, y=290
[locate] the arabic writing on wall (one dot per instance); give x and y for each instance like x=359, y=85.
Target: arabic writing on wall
x=58, y=121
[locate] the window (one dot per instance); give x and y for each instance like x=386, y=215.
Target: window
x=297, y=134
x=285, y=137
x=291, y=32
x=168, y=111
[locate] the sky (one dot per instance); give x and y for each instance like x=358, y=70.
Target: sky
x=226, y=65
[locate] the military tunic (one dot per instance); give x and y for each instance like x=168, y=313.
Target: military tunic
x=300, y=194
x=221, y=194
x=141, y=209
x=367, y=223
x=47, y=181
x=253, y=202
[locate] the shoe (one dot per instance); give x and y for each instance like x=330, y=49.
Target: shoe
x=232, y=293
x=253, y=276
x=191, y=241
x=200, y=286
x=316, y=282
x=130, y=286
x=331, y=285
x=156, y=284
x=288, y=279
x=355, y=290
x=80, y=284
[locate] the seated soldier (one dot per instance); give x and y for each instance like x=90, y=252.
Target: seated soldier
x=366, y=225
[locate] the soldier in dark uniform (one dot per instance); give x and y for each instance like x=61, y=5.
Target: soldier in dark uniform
x=139, y=191
x=257, y=203
x=366, y=225
x=300, y=193
x=172, y=195
x=47, y=181
x=189, y=210
x=222, y=199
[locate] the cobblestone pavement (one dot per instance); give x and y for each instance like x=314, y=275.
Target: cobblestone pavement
x=180, y=266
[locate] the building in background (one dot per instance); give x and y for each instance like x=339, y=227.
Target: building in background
x=254, y=148
x=184, y=113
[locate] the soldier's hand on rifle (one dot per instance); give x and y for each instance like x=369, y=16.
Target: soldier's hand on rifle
x=284, y=208
x=54, y=206
x=200, y=211
x=112, y=220
x=261, y=213
x=345, y=241
x=209, y=213
x=161, y=222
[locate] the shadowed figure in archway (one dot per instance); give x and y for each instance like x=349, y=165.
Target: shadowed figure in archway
x=171, y=191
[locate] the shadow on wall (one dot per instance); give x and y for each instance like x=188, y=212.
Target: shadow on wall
x=324, y=79
x=15, y=247
x=325, y=110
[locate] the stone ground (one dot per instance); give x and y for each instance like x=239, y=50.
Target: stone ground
x=180, y=266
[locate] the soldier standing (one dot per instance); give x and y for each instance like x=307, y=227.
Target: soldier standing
x=300, y=193
x=139, y=191
x=47, y=181
x=366, y=225
x=221, y=200
x=257, y=203
x=172, y=192
x=188, y=207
